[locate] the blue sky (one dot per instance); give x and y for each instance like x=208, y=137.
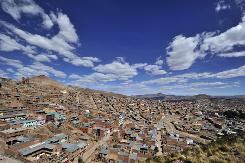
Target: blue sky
x=129, y=47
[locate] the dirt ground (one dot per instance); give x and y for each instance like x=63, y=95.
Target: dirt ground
x=4, y=159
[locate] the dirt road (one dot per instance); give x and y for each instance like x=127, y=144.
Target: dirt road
x=87, y=156
x=170, y=128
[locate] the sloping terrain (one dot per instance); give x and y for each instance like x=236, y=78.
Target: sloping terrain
x=227, y=149
x=43, y=80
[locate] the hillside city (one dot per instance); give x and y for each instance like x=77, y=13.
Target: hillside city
x=42, y=120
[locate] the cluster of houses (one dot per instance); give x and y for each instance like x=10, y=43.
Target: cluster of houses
x=39, y=123
x=130, y=143
x=17, y=139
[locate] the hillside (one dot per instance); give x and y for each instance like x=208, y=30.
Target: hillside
x=43, y=80
x=227, y=149
x=143, y=124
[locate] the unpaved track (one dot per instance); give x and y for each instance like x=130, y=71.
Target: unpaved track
x=170, y=128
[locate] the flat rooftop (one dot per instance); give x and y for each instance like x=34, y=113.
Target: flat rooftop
x=13, y=130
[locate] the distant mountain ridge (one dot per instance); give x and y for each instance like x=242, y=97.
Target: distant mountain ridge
x=46, y=81
x=165, y=97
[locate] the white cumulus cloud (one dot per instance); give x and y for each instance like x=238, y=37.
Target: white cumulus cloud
x=124, y=71
x=16, y=8
x=64, y=43
x=33, y=69
x=182, y=52
x=154, y=70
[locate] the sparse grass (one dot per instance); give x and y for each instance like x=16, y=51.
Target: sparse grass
x=227, y=149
